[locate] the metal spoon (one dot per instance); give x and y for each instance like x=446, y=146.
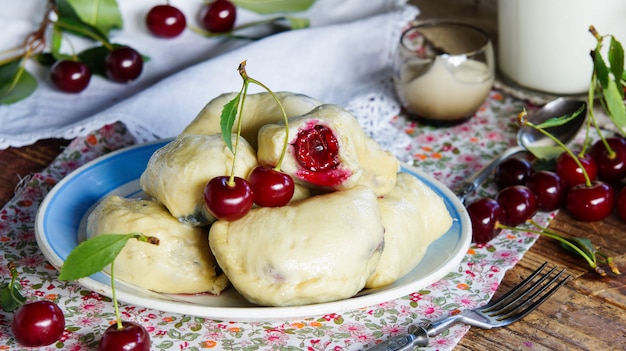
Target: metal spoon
x=528, y=137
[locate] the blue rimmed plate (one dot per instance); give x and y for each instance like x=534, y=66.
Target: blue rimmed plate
x=61, y=222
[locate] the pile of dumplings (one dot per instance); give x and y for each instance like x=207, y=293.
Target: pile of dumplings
x=367, y=229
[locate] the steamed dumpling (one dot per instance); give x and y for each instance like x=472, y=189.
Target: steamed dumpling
x=317, y=250
x=259, y=109
x=414, y=216
x=178, y=172
x=328, y=150
x=181, y=263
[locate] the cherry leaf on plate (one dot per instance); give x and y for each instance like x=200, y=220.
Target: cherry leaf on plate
x=92, y=255
x=266, y=7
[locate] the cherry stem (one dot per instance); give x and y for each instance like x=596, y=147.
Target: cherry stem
x=524, y=121
x=118, y=316
x=13, y=270
x=545, y=232
x=591, y=97
x=79, y=29
x=247, y=79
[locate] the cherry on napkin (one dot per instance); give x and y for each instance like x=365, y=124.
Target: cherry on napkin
x=49, y=113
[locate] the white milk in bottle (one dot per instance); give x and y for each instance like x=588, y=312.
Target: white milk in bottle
x=544, y=45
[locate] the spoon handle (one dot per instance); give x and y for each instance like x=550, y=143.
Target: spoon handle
x=470, y=184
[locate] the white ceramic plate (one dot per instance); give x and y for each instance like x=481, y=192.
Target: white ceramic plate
x=60, y=226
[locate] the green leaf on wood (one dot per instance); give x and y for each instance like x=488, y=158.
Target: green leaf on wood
x=274, y=6
x=92, y=255
x=227, y=120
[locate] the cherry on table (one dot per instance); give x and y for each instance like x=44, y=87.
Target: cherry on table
x=512, y=171
x=271, y=188
x=166, y=21
x=518, y=203
x=123, y=64
x=590, y=203
x=611, y=168
x=70, y=76
x=485, y=214
x=228, y=201
x=38, y=323
x=219, y=16
x=569, y=172
x=131, y=337
x=548, y=188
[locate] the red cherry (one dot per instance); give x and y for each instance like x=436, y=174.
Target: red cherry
x=271, y=188
x=485, y=214
x=512, y=171
x=611, y=168
x=570, y=173
x=589, y=204
x=123, y=64
x=518, y=203
x=165, y=21
x=38, y=323
x=219, y=16
x=70, y=76
x=548, y=188
x=317, y=149
x=131, y=337
x=228, y=201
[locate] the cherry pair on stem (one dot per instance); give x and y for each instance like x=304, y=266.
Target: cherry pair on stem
x=231, y=197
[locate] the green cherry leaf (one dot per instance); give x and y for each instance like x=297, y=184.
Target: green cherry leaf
x=16, y=83
x=11, y=298
x=70, y=21
x=92, y=255
x=227, y=120
x=600, y=68
x=612, y=95
x=616, y=60
x=297, y=22
x=102, y=14
x=274, y=6
x=560, y=120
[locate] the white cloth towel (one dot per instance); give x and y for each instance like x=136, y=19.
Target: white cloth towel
x=344, y=58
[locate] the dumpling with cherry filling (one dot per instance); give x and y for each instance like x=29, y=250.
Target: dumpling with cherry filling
x=181, y=263
x=259, y=109
x=328, y=150
x=317, y=250
x=414, y=216
x=177, y=173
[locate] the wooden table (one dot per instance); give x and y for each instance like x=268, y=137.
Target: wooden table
x=588, y=314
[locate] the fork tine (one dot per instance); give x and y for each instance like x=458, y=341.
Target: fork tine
x=516, y=306
x=515, y=289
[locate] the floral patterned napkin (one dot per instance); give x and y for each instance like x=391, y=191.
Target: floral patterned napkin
x=449, y=154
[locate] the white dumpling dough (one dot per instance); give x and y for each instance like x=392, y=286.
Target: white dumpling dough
x=259, y=109
x=178, y=172
x=361, y=161
x=320, y=249
x=414, y=216
x=181, y=263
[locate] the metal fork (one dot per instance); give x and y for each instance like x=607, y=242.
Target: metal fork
x=510, y=307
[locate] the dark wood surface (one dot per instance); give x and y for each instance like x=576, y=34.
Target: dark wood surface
x=589, y=313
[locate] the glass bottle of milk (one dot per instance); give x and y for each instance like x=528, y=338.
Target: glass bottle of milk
x=544, y=45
